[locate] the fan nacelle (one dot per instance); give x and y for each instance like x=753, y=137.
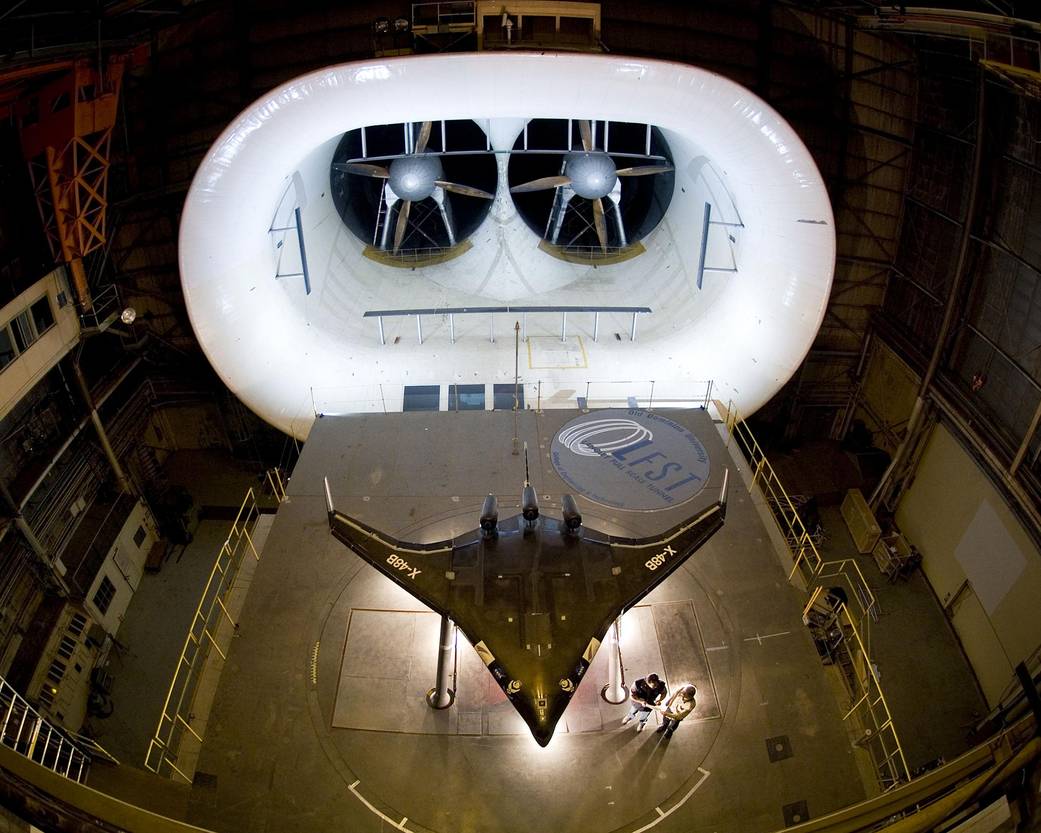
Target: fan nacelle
x=415, y=177
x=592, y=174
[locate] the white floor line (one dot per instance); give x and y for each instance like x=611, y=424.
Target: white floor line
x=666, y=813
x=398, y=825
x=760, y=637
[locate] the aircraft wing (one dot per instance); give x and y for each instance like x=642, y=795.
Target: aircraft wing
x=534, y=600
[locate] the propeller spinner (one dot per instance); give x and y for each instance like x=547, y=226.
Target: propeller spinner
x=592, y=174
x=412, y=178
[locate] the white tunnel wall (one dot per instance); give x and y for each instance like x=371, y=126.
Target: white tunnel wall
x=274, y=347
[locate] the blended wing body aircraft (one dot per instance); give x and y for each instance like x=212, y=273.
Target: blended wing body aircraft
x=533, y=594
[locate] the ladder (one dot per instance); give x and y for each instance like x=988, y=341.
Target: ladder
x=24, y=731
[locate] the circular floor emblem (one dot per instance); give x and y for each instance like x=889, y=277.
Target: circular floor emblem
x=630, y=459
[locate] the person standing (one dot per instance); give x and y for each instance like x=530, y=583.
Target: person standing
x=679, y=706
x=646, y=694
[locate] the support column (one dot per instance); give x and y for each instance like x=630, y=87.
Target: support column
x=441, y=696
x=99, y=427
x=615, y=690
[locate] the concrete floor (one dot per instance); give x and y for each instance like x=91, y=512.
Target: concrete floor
x=274, y=760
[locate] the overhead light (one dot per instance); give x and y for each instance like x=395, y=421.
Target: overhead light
x=401, y=24
x=128, y=315
x=381, y=25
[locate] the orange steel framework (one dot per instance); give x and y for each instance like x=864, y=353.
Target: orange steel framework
x=66, y=130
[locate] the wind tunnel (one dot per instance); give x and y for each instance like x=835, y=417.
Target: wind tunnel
x=733, y=253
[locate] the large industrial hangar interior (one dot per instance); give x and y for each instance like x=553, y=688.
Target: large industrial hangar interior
x=388, y=391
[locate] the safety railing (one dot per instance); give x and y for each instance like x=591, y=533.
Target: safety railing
x=27, y=733
x=448, y=314
x=105, y=307
x=805, y=556
x=862, y=599
x=868, y=708
x=277, y=482
x=211, y=625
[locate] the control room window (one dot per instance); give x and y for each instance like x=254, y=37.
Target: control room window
x=7, y=351
x=103, y=598
x=466, y=397
x=504, y=397
x=43, y=318
x=422, y=398
x=139, y=537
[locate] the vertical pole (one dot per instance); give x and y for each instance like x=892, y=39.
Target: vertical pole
x=538, y=405
x=615, y=690
x=491, y=328
x=596, y=324
x=708, y=393
x=383, y=338
x=419, y=327
x=524, y=326
x=632, y=332
x=563, y=326
x=650, y=403
x=364, y=145
x=516, y=384
x=607, y=125
x=451, y=326
x=647, y=140
x=441, y=696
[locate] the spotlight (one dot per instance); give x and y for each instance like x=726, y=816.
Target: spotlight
x=401, y=24
x=381, y=25
x=128, y=315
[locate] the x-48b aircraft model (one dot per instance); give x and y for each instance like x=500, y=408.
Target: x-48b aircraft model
x=533, y=594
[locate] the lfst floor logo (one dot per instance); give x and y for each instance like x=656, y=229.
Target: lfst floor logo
x=630, y=459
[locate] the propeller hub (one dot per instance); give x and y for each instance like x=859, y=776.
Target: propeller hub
x=592, y=174
x=413, y=177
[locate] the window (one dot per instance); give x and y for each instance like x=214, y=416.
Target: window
x=46, y=698
x=504, y=397
x=466, y=397
x=56, y=672
x=139, y=537
x=43, y=318
x=77, y=623
x=103, y=598
x=66, y=647
x=422, y=398
x=7, y=351
x=18, y=334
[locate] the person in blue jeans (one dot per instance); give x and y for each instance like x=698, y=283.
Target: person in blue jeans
x=647, y=693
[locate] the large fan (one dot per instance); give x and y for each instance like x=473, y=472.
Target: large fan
x=412, y=178
x=592, y=174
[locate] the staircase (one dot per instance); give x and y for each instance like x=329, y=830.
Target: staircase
x=24, y=731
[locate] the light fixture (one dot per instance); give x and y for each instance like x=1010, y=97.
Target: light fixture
x=401, y=24
x=128, y=315
x=381, y=25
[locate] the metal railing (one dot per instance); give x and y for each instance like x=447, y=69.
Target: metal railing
x=27, y=733
x=868, y=708
x=449, y=313
x=210, y=613
x=105, y=307
x=538, y=395
x=801, y=547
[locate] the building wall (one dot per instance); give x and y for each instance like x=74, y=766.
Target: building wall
x=25, y=371
x=979, y=560
x=123, y=567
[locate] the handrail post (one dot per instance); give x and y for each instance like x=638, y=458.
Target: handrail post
x=632, y=332
x=383, y=338
x=596, y=324
x=491, y=328
x=451, y=326
x=650, y=403
x=563, y=326
x=419, y=327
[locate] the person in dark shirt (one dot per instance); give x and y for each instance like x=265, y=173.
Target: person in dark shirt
x=647, y=693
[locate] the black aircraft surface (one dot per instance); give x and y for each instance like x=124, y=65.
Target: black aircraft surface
x=534, y=595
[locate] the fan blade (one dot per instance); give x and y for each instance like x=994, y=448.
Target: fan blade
x=600, y=223
x=586, y=132
x=424, y=137
x=645, y=170
x=465, y=190
x=541, y=184
x=399, y=229
x=362, y=169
